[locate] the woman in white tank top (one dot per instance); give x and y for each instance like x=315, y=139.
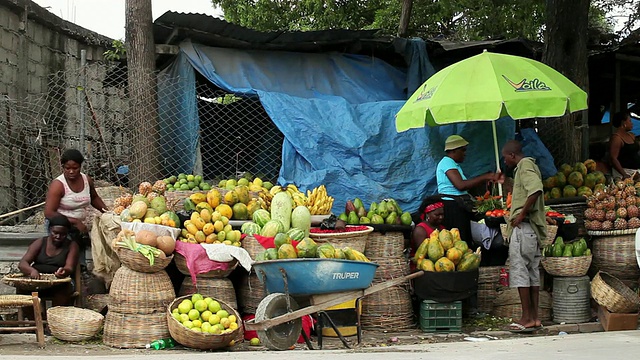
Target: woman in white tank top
x=71, y=193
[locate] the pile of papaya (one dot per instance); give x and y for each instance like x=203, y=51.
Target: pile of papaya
x=560, y=249
x=307, y=248
x=444, y=251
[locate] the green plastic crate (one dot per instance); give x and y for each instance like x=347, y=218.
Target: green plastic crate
x=440, y=317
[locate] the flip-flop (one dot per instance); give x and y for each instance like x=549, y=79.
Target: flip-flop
x=520, y=329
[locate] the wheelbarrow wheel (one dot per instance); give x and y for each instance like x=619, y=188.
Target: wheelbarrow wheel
x=282, y=336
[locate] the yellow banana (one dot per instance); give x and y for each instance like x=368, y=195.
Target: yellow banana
x=360, y=256
x=276, y=189
x=293, y=187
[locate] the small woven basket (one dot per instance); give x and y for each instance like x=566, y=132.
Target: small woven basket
x=134, y=330
x=70, y=323
x=199, y=340
x=616, y=255
x=552, y=231
x=252, y=246
x=24, y=282
x=613, y=294
x=181, y=264
x=136, y=261
x=356, y=240
x=390, y=308
x=219, y=288
x=567, y=266
x=390, y=244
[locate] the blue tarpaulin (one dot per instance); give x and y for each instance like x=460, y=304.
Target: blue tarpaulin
x=336, y=112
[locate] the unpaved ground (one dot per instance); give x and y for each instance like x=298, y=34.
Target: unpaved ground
x=25, y=344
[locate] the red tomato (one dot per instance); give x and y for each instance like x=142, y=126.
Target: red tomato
x=488, y=213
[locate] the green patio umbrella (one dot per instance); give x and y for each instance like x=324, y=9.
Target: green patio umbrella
x=487, y=87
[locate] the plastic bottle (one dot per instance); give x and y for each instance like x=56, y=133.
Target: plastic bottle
x=161, y=344
x=504, y=277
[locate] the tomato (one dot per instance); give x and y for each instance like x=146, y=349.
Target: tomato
x=488, y=213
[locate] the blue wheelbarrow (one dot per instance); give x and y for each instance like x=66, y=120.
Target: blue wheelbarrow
x=326, y=282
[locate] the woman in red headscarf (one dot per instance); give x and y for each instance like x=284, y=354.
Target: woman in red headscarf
x=431, y=217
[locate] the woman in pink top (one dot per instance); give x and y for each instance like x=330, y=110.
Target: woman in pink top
x=71, y=193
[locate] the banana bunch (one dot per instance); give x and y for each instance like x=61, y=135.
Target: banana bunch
x=355, y=255
x=318, y=201
x=298, y=197
x=265, y=197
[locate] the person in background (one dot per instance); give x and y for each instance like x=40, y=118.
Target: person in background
x=71, y=194
x=431, y=216
x=623, y=148
x=526, y=228
x=453, y=186
x=53, y=254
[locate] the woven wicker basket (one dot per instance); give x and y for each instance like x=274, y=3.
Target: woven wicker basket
x=576, y=209
x=134, y=292
x=203, y=341
x=137, y=262
x=97, y=302
x=181, y=264
x=252, y=246
x=507, y=304
x=611, y=293
x=134, y=330
x=356, y=240
x=391, y=308
x=488, y=283
x=70, y=323
x=552, y=231
x=250, y=293
x=567, y=266
x=221, y=288
x=24, y=282
x=381, y=245
x=390, y=268
x=616, y=256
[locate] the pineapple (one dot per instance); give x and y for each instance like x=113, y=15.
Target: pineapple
x=621, y=203
x=607, y=225
x=595, y=225
x=600, y=215
x=621, y=213
x=152, y=195
x=118, y=209
x=124, y=200
x=609, y=203
x=633, y=223
x=630, y=191
x=620, y=224
x=630, y=200
x=611, y=215
x=628, y=182
x=145, y=188
x=620, y=184
x=160, y=187
x=633, y=211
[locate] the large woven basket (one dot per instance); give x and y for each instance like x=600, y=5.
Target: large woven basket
x=250, y=293
x=390, y=268
x=576, y=209
x=134, y=292
x=616, y=256
x=24, y=282
x=613, y=294
x=356, y=240
x=390, y=244
x=567, y=266
x=70, y=323
x=219, y=288
x=199, y=340
x=552, y=232
x=181, y=264
x=134, y=330
x=391, y=308
x=488, y=284
x=136, y=261
x=252, y=246
x=507, y=304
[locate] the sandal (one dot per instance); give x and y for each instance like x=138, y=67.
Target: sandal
x=521, y=329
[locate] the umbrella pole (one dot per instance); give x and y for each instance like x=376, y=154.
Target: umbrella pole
x=495, y=148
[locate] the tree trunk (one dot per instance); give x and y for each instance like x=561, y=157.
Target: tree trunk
x=145, y=165
x=565, y=49
x=405, y=16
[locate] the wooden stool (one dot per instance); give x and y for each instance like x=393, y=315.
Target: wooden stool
x=21, y=325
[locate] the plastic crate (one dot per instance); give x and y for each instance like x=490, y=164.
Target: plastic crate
x=440, y=317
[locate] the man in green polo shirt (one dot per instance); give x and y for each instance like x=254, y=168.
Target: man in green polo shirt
x=526, y=228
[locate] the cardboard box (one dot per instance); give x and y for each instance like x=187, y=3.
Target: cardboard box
x=616, y=322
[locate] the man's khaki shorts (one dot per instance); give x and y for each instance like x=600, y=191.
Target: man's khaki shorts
x=524, y=257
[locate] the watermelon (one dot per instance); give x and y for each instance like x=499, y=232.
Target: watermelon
x=250, y=228
x=301, y=219
x=281, y=209
x=281, y=239
x=271, y=228
x=261, y=216
x=296, y=234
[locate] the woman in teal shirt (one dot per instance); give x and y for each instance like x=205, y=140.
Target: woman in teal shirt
x=453, y=186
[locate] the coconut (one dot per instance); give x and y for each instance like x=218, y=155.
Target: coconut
x=146, y=237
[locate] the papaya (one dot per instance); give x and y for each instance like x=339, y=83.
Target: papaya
x=455, y=232
x=281, y=239
x=287, y=251
x=469, y=262
x=307, y=248
x=568, y=250
x=326, y=251
x=271, y=254
x=339, y=254
x=444, y=265
x=214, y=198
x=446, y=239
x=422, y=251
x=427, y=265
x=260, y=257
x=454, y=255
x=138, y=209
x=461, y=245
x=434, y=250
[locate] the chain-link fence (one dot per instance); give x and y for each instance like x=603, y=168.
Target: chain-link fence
x=91, y=109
